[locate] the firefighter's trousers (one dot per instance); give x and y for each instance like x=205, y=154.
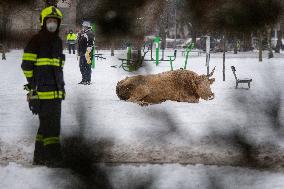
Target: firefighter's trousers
x=47, y=146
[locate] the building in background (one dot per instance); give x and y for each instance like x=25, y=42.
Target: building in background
x=21, y=20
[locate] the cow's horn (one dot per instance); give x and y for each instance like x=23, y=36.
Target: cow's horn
x=212, y=72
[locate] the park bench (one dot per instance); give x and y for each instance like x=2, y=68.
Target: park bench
x=244, y=80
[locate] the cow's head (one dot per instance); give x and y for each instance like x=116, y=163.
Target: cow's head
x=126, y=87
x=203, y=86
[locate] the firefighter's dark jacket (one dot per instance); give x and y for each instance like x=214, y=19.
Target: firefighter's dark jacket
x=43, y=62
x=85, y=39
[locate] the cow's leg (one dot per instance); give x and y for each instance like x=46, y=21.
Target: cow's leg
x=139, y=96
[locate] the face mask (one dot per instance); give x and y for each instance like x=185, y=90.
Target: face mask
x=51, y=26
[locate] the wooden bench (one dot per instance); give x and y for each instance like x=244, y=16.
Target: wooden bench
x=244, y=80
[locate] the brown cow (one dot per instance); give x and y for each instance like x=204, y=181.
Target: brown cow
x=178, y=85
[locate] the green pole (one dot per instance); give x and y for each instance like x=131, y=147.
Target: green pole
x=129, y=52
x=188, y=49
x=171, y=62
x=94, y=48
x=157, y=44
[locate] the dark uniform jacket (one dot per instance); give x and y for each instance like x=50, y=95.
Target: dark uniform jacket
x=42, y=65
x=85, y=39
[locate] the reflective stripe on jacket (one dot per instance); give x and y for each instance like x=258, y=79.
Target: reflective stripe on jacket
x=42, y=65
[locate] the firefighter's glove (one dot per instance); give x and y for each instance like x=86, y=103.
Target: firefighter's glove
x=88, y=55
x=33, y=101
x=28, y=87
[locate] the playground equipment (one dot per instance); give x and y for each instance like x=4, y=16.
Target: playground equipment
x=156, y=42
x=187, y=50
x=94, y=48
x=130, y=64
x=171, y=60
x=93, y=52
x=129, y=53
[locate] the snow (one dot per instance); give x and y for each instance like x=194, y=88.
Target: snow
x=165, y=176
x=205, y=133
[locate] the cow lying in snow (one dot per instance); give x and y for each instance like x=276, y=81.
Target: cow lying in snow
x=178, y=85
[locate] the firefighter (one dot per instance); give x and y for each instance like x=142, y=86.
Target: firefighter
x=85, y=45
x=71, y=41
x=42, y=64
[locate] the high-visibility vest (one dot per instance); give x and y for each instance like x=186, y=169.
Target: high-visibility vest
x=71, y=37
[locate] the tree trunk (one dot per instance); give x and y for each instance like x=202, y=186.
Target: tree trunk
x=163, y=38
x=235, y=45
x=247, y=42
x=270, y=53
x=112, y=48
x=260, y=46
x=279, y=42
x=224, y=57
x=193, y=35
x=3, y=52
x=3, y=31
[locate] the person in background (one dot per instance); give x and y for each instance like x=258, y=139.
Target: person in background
x=71, y=41
x=85, y=45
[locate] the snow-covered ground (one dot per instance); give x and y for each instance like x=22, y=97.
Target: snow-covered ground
x=167, y=176
x=239, y=127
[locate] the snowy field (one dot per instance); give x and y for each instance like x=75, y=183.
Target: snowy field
x=165, y=176
x=239, y=127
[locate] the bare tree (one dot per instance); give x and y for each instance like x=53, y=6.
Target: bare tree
x=260, y=45
x=51, y=3
x=268, y=32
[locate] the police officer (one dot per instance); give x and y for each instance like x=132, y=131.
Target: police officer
x=85, y=46
x=71, y=41
x=43, y=67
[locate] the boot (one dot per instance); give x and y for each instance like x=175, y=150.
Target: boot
x=53, y=156
x=39, y=154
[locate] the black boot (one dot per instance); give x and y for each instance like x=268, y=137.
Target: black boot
x=53, y=156
x=39, y=154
